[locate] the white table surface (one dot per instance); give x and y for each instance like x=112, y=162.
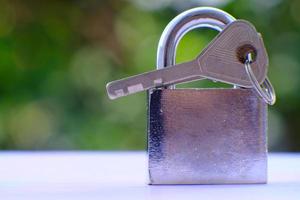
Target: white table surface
x=123, y=175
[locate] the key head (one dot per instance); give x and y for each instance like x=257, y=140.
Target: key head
x=224, y=58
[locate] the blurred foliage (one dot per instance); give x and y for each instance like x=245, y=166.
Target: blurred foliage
x=57, y=56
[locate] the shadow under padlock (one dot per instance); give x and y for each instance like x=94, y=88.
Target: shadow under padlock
x=204, y=136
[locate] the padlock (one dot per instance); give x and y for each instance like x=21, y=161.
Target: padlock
x=204, y=136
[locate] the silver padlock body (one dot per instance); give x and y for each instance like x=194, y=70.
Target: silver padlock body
x=207, y=136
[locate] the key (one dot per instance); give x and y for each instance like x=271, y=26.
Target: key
x=222, y=60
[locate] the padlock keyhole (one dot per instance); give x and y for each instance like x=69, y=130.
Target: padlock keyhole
x=244, y=50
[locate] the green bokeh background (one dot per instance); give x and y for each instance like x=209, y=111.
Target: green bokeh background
x=57, y=56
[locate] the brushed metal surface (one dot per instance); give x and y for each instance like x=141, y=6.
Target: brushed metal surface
x=227, y=45
x=207, y=136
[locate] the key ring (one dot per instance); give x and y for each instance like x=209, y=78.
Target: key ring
x=265, y=90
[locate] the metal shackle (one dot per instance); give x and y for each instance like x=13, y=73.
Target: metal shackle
x=201, y=17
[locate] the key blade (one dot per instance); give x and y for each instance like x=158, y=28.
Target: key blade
x=221, y=59
x=179, y=73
